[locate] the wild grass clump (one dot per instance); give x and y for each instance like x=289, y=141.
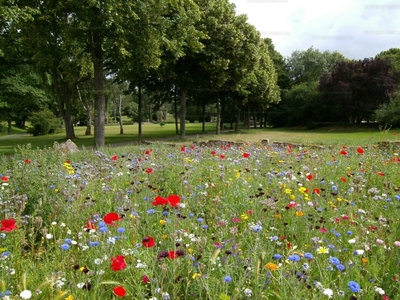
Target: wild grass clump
x=190, y=222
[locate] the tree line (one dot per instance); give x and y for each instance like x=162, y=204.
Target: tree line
x=79, y=59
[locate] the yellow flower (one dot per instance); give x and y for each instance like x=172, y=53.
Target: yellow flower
x=244, y=217
x=70, y=297
x=322, y=250
x=190, y=250
x=278, y=216
x=164, y=236
x=292, y=197
x=163, y=222
x=299, y=213
x=271, y=266
x=196, y=275
x=288, y=191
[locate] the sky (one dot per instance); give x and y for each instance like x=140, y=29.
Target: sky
x=358, y=29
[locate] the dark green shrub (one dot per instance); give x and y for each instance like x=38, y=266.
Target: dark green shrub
x=43, y=122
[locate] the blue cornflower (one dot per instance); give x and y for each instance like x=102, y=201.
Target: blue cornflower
x=102, y=224
x=103, y=229
x=200, y=220
x=273, y=238
x=151, y=211
x=277, y=256
x=349, y=232
x=204, y=226
x=354, y=286
x=308, y=255
x=227, y=279
x=5, y=254
x=340, y=267
x=93, y=244
x=65, y=247
x=334, y=260
x=294, y=257
x=121, y=230
x=68, y=241
x=191, y=215
x=165, y=213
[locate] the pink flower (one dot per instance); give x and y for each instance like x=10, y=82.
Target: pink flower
x=397, y=243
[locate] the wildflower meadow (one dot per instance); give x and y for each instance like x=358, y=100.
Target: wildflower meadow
x=220, y=222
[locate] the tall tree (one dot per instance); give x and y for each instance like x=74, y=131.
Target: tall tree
x=355, y=89
x=309, y=65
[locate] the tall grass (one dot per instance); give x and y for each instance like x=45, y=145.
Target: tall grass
x=246, y=221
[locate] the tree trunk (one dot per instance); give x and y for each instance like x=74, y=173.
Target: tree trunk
x=237, y=120
x=140, y=108
x=183, y=112
x=64, y=97
x=89, y=122
x=69, y=126
x=218, y=127
x=121, y=125
x=176, y=112
x=254, y=118
x=96, y=43
x=203, y=126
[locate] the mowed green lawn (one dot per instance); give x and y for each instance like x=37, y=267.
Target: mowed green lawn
x=349, y=136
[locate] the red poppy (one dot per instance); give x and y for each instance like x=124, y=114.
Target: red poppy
x=360, y=150
x=27, y=161
x=114, y=157
x=111, y=217
x=380, y=173
x=148, y=242
x=246, y=155
x=148, y=152
x=90, y=225
x=323, y=230
x=67, y=162
x=8, y=225
x=160, y=201
x=172, y=254
x=149, y=170
x=316, y=191
x=394, y=133
x=213, y=152
x=343, y=179
x=384, y=297
x=183, y=149
x=145, y=279
x=309, y=177
x=118, y=263
x=139, y=159
x=4, y=179
x=119, y=291
x=222, y=156
x=173, y=200
x=292, y=204
x=343, y=152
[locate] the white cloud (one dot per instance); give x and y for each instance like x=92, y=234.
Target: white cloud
x=357, y=29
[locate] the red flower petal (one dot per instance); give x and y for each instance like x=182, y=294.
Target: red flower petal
x=114, y=157
x=118, y=263
x=246, y=155
x=360, y=150
x=343, y=152
x=172, y=254
x=145, y=279
x=119, y=291
x=111, y=217
x=8, y=225
x=173, y=200
x=149, y=170
x=148, y=242
x=160, y=201
x=309, y=177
